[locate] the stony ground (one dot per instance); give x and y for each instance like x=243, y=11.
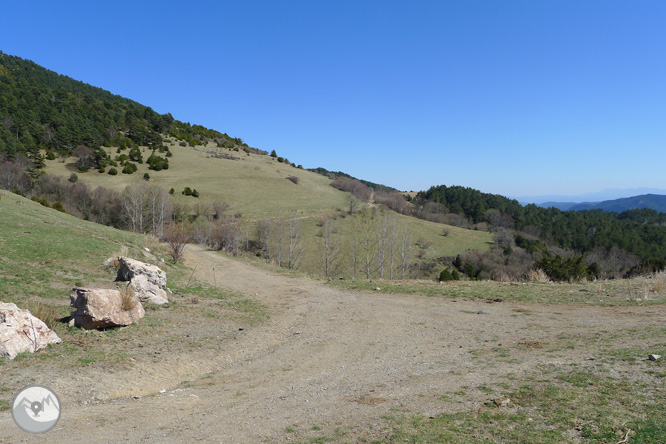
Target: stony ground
x=326, y=362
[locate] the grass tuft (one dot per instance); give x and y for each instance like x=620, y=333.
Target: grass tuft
x=128, y=300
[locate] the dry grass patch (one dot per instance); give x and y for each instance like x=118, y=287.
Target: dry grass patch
x=127, y=299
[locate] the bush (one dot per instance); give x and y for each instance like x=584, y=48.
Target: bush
x=135, y=155
x=273, y=154
x=59, y=206
x=146, y=176
x=157, y=163
x=280, y=159
x=187, y=191
x=130, y=168
x=559, y=268
x=195, y=193
x=171, y=191
x=293, y=179
x=113, y=171
x=50, y=155
x=446, y=275
x=73, y=178
x=41, y=200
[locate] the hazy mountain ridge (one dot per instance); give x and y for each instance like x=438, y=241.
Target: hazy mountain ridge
x=595, y=197
x=655, y=202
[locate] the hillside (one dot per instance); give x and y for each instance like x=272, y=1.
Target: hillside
x=310, y=361
x=42, y=111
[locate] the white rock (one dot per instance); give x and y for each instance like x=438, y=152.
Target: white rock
x=146, y=291
x=654, y=357
x=130, y=268
x=21, y=332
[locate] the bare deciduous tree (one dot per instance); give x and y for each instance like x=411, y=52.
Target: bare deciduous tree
x=405, y=251
x=329, y=247
x=177, y=236
x=294, y=243
x=134, y=203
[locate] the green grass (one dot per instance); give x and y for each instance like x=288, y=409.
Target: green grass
x=603, y=293
x=254, y=185
x=45, y=253
x=560, y=405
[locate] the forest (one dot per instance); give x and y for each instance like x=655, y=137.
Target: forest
x=43, y=113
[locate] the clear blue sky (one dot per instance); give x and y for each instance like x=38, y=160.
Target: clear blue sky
x=511, y=97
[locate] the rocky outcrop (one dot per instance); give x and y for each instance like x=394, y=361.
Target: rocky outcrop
x=146, y=291
x=101, y=308
x=21, y=332
x=130, y=268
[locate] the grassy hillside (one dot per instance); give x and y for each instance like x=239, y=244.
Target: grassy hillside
x=256, y=186
x=253, y=184
x=44, y=253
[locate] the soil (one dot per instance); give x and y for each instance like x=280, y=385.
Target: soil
x=326, y=360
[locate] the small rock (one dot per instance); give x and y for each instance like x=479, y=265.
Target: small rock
x=163, y=391
x=137, y=397
x=147, y=249
x=654, y=357
x=377, y=289
x=481, y=312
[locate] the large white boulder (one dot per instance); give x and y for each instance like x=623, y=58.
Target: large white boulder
x=21, y=332
x=146, y=291
x=130, y=268
x=101, y=308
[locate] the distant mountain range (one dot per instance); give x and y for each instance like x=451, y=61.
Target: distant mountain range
x=596, y=197
x=653, y=201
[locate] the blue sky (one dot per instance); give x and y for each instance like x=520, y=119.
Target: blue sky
x=510, y=97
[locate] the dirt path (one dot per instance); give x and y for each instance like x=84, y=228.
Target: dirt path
x=325, y=359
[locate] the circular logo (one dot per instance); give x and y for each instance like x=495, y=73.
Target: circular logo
x=36, y=409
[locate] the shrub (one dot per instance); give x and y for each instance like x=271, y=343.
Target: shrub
x=171, y=191
x=559, y=268
x=446, y=275
x=135, y=155
x=73, y=178
x=130, y=168
x=273, y=154
x=537, y=275
x=59, y=206
x=177, y=236
x=50, y=155
x=157, y=163
x=187, y=191
x=195, y=193
x=146, y=176
x=293, y=179
x=113, y=171
x=280, y=159
x=41, y=200
x=102, y=170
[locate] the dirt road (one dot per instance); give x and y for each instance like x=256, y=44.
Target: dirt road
x=326, y=360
